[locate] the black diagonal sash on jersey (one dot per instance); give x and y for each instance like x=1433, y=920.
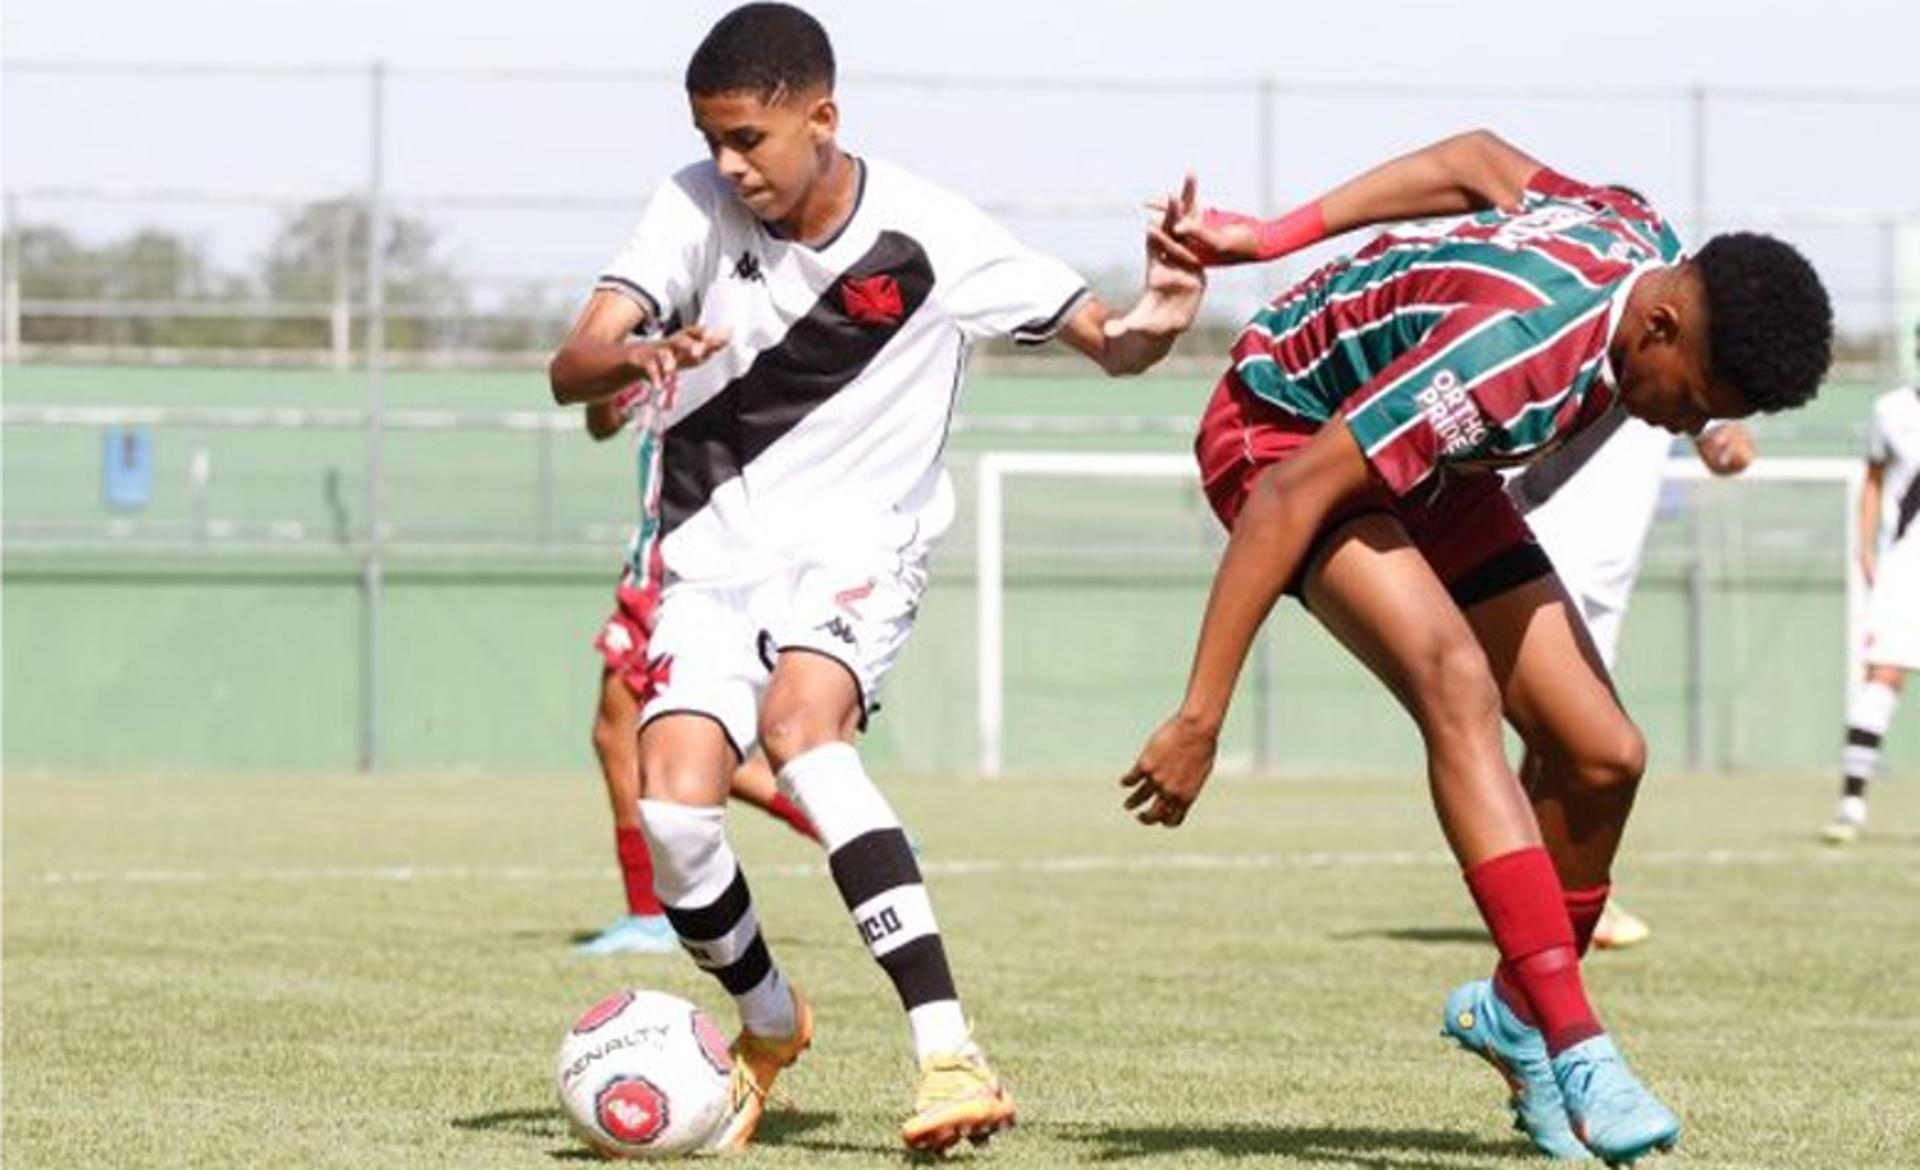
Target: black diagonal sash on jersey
x=820, y=356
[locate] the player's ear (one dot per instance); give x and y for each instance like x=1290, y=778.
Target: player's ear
x=1662, y=324
x=823, y=119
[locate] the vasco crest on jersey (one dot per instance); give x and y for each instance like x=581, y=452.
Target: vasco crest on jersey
x=872, y=300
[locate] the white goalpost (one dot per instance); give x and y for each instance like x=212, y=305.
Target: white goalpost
x=996, y=469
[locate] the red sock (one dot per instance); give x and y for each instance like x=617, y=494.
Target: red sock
x=1520, y=899
x=790, y=812
x=636, y=869
x=1584, y=908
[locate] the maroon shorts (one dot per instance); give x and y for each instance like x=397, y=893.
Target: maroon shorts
x=622, y=641
x=1469, y=531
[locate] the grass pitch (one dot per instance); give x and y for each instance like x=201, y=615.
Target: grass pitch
x=361, y=973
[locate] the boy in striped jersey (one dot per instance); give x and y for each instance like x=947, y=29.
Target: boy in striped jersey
x=1349, y=450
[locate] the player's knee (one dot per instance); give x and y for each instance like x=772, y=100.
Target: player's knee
x=789, y=733
x=1454, y=688
x=1614, y=763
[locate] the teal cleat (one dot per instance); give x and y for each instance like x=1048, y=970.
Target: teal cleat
x=1478, y=1022
x=1612, y=1111
x=632, y=934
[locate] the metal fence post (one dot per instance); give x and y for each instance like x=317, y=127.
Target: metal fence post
x=10, y=331
x=340, y=321
x=373, y=566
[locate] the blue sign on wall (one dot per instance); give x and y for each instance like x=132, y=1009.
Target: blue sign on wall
x=126, y=458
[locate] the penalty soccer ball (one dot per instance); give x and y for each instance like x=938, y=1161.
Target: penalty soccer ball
x=643, y=1074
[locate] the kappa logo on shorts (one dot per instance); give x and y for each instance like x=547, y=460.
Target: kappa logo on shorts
x=839, y=628
x=872, y=300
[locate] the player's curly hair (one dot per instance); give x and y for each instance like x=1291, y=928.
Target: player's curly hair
x=762, y=49
x=1770, y=324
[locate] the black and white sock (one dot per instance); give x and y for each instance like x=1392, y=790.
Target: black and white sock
x=1869, y=713
x=700, y=883
x=880, y=882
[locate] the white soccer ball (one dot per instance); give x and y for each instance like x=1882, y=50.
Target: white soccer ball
x=643, y=1074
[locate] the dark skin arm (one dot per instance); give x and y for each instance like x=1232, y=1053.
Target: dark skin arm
x=1289, y=504
x=1467, y=172
x=1129, y=343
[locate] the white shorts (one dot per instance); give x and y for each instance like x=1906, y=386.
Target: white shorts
x=714, y=646
x=1893, y=612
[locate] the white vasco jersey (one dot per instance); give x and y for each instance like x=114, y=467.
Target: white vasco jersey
x=817, y=431
x=1893, y=442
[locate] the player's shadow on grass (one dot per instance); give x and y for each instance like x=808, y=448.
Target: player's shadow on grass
x=1377, y=1149
x=546, y=1125
x=1424, y=935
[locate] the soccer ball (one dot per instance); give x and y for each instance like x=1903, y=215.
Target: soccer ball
x=643, y=1074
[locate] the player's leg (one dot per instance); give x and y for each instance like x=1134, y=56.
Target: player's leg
x=1585, y=759
x=700, y=712
x=1376, y=592
x=755, y=783
x=839, y=638
x=1870, y=711
x=643, y=929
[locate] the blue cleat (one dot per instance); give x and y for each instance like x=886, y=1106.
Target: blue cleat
x=1478, y=1022
x=632, y=934
x=1611, y=1110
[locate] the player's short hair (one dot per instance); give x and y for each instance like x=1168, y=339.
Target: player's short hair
x=767, y=49
x=1769, y=322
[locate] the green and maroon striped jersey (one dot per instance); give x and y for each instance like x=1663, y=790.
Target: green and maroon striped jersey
x=1478, y=340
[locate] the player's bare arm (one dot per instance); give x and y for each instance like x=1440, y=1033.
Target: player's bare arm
x=1868, y=519
x=599, y=358
x=1175, y=283
x=1467, y=172
x=1290, y=503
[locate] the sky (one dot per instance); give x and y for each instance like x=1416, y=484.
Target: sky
x=1058, y=116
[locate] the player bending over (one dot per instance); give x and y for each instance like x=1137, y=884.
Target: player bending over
x=1348, y=448
x=1890, y=557
x=625, y=683
x=818, y=310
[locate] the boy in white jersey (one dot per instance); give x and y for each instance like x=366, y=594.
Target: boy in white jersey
x=819, y=309
x=1889, y=522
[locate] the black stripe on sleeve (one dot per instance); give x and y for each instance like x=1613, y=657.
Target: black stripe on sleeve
x=622, y=285
x=1043, y=330
x=873, y=863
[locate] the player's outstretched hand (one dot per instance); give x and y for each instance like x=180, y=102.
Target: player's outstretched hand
x=1209, y=237
x=1171, y=771
x=1176, y=280
x=659, y=361
x=1726, y=450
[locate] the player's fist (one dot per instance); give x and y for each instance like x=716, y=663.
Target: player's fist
x=1172, y=769
x=1726, y=450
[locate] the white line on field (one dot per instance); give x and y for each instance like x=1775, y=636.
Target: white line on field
x=1087, y=864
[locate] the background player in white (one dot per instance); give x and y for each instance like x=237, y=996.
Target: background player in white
x=819, y=308
x=1890, y=557
x=1591, y=508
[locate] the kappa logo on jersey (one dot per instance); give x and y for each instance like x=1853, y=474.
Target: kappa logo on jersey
x=747, y=268
x=631, y=1110
x=872, y=300
x=839, y=628
x=1452, y=414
